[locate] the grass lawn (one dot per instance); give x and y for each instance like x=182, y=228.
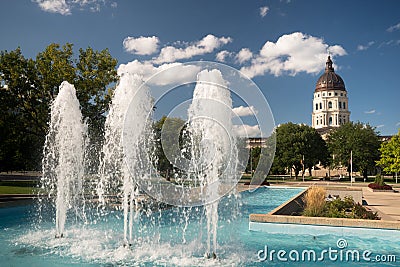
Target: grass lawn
x=17, y=190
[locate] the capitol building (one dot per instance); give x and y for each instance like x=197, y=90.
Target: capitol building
x=330, y=102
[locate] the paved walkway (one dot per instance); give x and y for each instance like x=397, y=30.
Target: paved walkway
x=387, y=204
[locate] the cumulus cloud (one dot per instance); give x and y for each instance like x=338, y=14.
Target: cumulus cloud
x=141, y=45
x=263, y=11
x=177, y=75
x=291, y=54
x=247, y=130
x=365, y=47
x=372, y=111
x=54, y=6
x=245, y=111
x=244, y=55
x=64, y=7
x=222, y=55
x=394, y=28
x=206, y=45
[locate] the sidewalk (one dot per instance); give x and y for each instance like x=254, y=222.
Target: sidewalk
x=387, y=204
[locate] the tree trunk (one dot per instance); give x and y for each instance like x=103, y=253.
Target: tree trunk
x=309, y=170
x=296, y=173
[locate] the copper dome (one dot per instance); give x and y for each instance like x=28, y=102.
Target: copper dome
x=330, y=80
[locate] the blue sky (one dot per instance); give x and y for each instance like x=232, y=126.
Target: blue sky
x=281, y=45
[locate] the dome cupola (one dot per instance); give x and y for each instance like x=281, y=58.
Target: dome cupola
x=330, y=80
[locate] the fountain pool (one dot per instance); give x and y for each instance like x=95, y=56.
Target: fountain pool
x=25, y=243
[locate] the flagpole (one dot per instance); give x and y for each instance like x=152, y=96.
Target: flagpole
x=351, y=167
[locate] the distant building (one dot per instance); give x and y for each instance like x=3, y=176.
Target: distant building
x=330, y=103
x=253, y=142
x=385, y=138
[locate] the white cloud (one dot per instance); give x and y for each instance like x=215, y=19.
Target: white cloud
x=54, y=6
x=244, y=55
x=247, y=130
x=379, y=126
x=372, y=111
x=245, y=111
x=390, y=43
x=178, y=75
x=206, y=45
x=263, y=11
x=398, y=124
x=394, y=28
x=141, y=45
x=291, y=54
x=64, y=7
x=222, y=55
x=365, y=47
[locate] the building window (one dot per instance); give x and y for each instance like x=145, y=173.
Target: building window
x=340, y=104
x=344, y=105
x=318, y=95
x=320, y=105
x=317, y=122
x=329, y=94
x=316, y=106
x=340, y=121
x=329, y=104
x=341, y=94
x=335, y=94
x=321, y=121
x=330, y=120
x=323, y=94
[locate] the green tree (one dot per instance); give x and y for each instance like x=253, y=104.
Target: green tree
x=21, y=120
x=297, y=142
x=253, y=160
x=28, y=86
x=169, y=131
x=390, y=155
x=359, y=138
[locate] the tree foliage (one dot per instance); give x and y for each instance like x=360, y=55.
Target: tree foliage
x=254, y=158
x=390, y=155
x=170, y=141
x=295, y=142
x=28, y=87
x=359, y=138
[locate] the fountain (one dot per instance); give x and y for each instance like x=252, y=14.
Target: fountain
x=115, y=177
x=126, y=158
x=189, y=228
x=64, y=157
x=214, y=154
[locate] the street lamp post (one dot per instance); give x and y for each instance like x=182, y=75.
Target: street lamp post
x=302, y=162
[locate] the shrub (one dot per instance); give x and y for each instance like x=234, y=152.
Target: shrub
x=338, y=208
x=314, y=200
x=379, y=183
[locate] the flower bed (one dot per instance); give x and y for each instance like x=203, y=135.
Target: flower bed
x=384, y=187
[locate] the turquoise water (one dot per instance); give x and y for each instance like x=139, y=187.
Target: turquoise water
x=176, y=237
